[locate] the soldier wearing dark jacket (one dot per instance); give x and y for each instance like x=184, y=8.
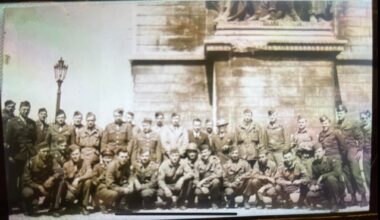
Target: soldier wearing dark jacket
x=235, y=178
x=20, y=138
x=40, y=178
x=326, y=182
x=331, y=140
x=222, y=142
x=365, y=145
x=77, y=125
x=196, y=135
x=8, y=112
x=41, y=125
x=208, y=178
x=145, y=184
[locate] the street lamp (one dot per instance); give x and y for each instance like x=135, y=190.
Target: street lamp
x=60, y=70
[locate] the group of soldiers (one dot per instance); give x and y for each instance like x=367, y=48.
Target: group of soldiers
x=65, y=167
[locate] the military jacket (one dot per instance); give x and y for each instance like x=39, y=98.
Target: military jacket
x=202, y=138
x=5, y=116
x=350, y=133
x=234, y=170
x=56, y=133
x=249, y=139
x=219, y=142
x=365, y=140
x=115, y=136
x=118, y=175
x=210, y=169
x=333, y=143
x=269, y=169
x=42, y=128
x=296, y=172
x=169, y=173
x=71, y=170
x=326, y=167
x=173, y=137
x=98, y=174
x=89, y=138
x=274, y=137
x=37, y=171
x=303, y=140
x=147, y=176
x=147, y=141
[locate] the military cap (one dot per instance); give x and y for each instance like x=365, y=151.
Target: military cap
x=119, y=111
x=341, y=108
x=221, y=122
x=323, y=118
x=131, y=114
x=73, y=148
x=174, y=115
x=25, y=103
x=42, y=110
x=192, y=147
x=107, y=152
x=147, y=120
x=60, y=112
x=9, y=102
x=158, y=114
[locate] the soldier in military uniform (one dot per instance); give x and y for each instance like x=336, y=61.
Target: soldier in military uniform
x=147, y=140
x=290, y=177
x=129, y=121
x=350, y=164
x=249, y=138
x=222, y=141
x=174, y=136
x=76, y=182
x=196, y=135
x=159, y=126
x=326, y=180
x=77, y=125
x=208, y=178
x=262, y=178
x=59, y=132
x=274, y=137
x=8, y=112
x=20, y=138
x=331, y=140
x=174, y=179
x=365, y=143
x=89, y=137
x=191, y=158
x=235, y=178
x=119, y=181
x=41, y=125
x=117, y=134
x=302, y=140
x=40, y=178
x=145, y=184
x=209, y=130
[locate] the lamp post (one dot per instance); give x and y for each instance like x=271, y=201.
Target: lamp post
x=60, y=70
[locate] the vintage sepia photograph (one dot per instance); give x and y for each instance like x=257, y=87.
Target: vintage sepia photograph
x=186, y=109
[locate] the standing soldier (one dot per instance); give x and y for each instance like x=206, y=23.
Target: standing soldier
x=222, y=141
x=41, y=125
x=365, y=142
x=302, y=141
x=76, y=182
x=326, y=180
x=159, y=126
x=59, y=132
x=262, y=178
x=147, y=140
x=118, y=183
x=174, y=136
x=174, y=179
x=290, y=177
x=20, y=138
x=89, y=137
x=8, y=112
x=208, y=178
x=209, y=130
x=196, y=135
x=99, y=177
x=249, y=138
x=77, y=125
x=145, y=184
x=274, y=136
x=40, y=178
x=191, y=158
x=331, y=140
x=235, y=178
x=129, y=120
x=117, y=134
x=350, y=163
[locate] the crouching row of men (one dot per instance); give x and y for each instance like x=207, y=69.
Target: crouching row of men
x=112, y=183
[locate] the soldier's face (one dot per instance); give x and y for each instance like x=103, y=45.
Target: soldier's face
x=42, y=115
x=24, y=111
x=123, y=157
x=107, y=159
x=302, y=123
x=60, y=119
x=44, y=153
x=365, y=119
x=209, y=127
x=78, y=119
x=129, y=118
x=75, y=155
x=10, y=108
x=90, y=121
x=263, y=158
x=62, y=146
x=273, y=118
x=325, y=125
x=235, y=155
x=192, y=154
x=247, y=117
x=146, y=127
x=175, y=120
x=145, y=158
x=288, y=159
x=118, y=118
x=160, y=120
x=197, y=126
x=174, y=157
x=340, y=115
x=205, y=154
x=319, y=153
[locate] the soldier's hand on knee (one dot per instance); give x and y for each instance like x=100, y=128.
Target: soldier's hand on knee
x=48, y=183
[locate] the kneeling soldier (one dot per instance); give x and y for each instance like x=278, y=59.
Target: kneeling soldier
x=40, y=178
x=146, y=180
x=174, y=178
x=326, y=180
x=118, y=181
x=236, y=175
x=208, y=175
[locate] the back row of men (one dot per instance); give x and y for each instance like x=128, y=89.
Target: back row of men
x=348, y=149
